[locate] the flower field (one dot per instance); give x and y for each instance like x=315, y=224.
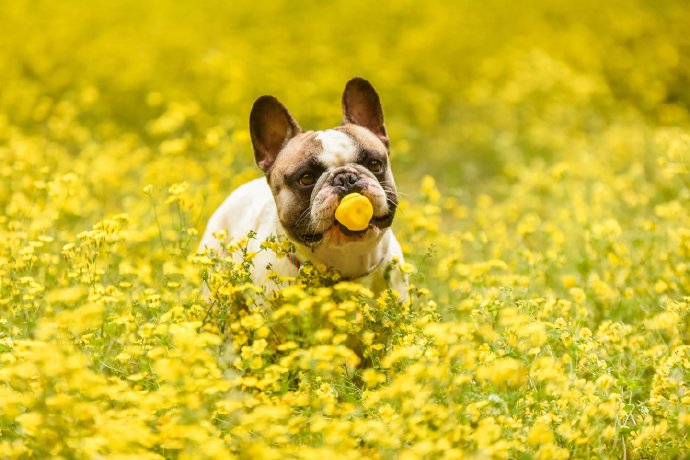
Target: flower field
x=542, y=152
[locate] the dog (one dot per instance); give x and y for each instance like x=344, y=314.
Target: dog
x=306, y=174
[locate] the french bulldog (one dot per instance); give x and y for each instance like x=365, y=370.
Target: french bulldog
x=307, y=173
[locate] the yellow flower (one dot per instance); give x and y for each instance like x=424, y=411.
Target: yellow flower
x=540, y=433
x=503, y=372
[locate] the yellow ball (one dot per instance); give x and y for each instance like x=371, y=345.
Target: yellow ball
x=354, y=212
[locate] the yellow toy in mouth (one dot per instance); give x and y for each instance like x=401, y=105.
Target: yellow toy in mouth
x=354, y=212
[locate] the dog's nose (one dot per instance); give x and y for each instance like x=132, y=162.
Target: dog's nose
x=346, y=180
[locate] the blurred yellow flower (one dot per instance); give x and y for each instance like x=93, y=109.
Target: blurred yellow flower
x=543, y=172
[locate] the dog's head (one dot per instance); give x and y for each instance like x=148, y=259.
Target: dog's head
x=309, y=172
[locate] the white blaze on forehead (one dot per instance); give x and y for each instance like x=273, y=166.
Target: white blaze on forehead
x=338, y=148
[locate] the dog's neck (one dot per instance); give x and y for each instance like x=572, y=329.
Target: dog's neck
x=351, y=260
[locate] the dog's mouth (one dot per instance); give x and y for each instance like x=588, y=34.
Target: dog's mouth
x=381, y=222
x=384, y=221
x=353, y=233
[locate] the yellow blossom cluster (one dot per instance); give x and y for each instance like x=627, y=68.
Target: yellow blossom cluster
x=542, y=152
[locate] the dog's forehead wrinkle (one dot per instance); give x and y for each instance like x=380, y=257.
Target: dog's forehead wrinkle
x=337, y=148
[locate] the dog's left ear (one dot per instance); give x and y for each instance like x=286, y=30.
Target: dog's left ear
x=362, y=106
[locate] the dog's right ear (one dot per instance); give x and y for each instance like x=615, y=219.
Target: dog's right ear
x=271, y=127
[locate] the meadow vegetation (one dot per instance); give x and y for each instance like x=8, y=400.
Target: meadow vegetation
x=542, y=152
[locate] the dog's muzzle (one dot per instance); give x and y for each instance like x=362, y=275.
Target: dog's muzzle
x=346, y=181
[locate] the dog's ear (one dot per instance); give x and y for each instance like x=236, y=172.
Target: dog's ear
x=271, y=126
x=361, y=106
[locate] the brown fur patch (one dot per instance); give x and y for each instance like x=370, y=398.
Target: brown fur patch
x=363, y=138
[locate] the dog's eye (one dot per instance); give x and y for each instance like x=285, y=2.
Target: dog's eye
x=307, y=179
x=375, y=166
